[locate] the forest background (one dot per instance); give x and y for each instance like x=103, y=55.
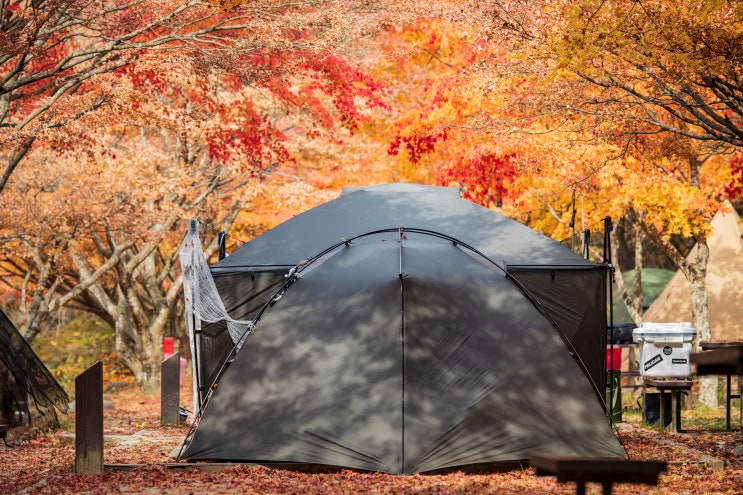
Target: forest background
x=121, y=120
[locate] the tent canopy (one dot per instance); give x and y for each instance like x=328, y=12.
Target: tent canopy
x=414, y=346
x=724, y=283
x=361, y=210
x=24, y=375
x=572, y=287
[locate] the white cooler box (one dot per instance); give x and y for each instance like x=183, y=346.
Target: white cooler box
x=665, y=349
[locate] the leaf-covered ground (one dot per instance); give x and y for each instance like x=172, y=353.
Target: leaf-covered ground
x=45, y=465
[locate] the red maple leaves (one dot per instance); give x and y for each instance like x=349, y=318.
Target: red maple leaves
x=486, y=179
x=735, y=189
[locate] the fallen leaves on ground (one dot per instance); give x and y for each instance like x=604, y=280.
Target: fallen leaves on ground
x=46, y=465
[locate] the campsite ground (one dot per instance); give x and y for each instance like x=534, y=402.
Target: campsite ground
x=45, y=464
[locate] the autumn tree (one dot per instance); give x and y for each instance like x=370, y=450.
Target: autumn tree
x=457, y=121
x=56, y=56
x=655, y=68
x=672, y=66
x=432, y=75
x=606, y=94
x=112, y=253
x=141, y=139
x=52, y=51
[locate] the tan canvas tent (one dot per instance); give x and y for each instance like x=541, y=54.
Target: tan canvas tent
x=724, y=284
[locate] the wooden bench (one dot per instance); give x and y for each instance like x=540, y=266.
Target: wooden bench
x=675, y=387
x=723, y=358
x=604, y=470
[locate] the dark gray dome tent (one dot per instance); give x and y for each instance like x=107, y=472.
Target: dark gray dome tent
x=402, y=329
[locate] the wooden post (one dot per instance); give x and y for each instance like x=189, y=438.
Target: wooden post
x=675, y=387
x=89, y=420
x=169, y=390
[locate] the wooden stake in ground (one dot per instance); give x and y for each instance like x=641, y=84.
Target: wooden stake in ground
x=89, y=420
x=169, y=390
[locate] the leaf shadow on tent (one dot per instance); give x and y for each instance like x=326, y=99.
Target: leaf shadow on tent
x=496, y=381
x=323, y=360
x=366, y=366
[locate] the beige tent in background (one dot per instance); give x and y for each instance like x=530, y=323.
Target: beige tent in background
x=724, y=284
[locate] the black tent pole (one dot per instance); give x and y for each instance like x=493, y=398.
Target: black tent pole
x=222, y=240
x=572, y=224
x=608, y=227
x=194, y=230
x=402, y=236
x=586, y=243
x=197, y=364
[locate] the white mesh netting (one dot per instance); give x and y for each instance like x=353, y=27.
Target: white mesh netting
x=203, y=303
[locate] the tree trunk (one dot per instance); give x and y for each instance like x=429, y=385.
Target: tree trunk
x=143, y=359
x=638, y=304
x=695, y=271
x=629, y=302
x=697, y=275
x=138, y=347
